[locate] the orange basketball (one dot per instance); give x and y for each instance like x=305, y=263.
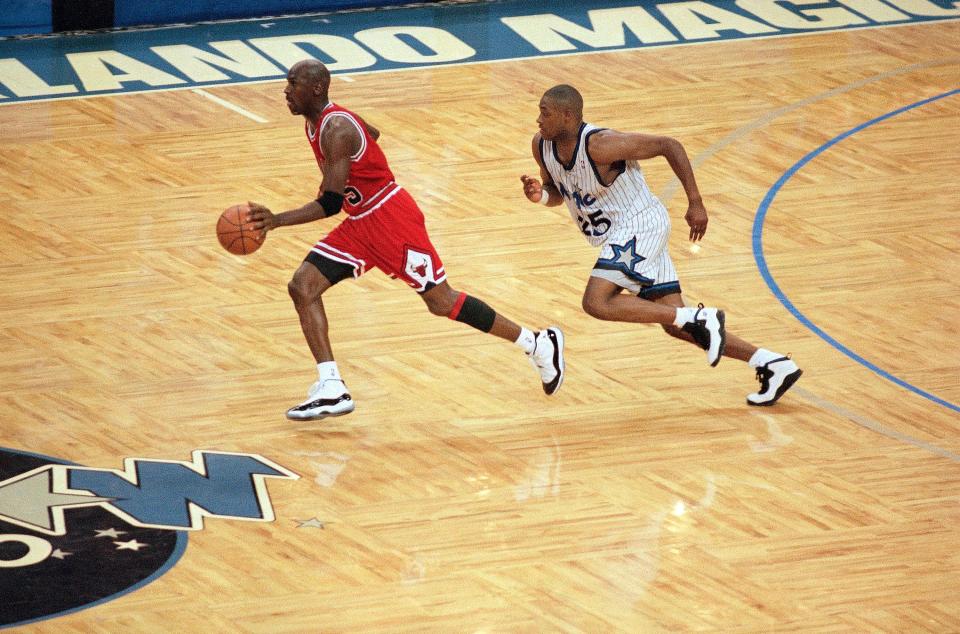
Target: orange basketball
x=235, y=234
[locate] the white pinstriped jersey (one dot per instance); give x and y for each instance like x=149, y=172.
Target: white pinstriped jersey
x=629, y=224
x=599, y=211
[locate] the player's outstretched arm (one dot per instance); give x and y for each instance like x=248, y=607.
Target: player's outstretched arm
x=340, y=141
x=265, y=220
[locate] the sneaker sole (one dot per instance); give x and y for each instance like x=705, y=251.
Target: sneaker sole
x=551, y=388
x=723, y=338
x=341, y=411
x=786, y=385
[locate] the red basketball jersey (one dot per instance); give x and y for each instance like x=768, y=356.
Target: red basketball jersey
x=370, y=182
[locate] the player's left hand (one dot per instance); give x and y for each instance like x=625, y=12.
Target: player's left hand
x=696, y=217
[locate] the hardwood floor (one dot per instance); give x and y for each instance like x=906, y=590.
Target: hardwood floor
x=645, y=495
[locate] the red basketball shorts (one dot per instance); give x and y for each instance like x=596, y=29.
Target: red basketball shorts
x=392, y=238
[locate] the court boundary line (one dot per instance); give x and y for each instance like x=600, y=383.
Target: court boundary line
x=671, y=189
x=673, y=186
x=229, y=105
x=874, y=426
x=760, y=259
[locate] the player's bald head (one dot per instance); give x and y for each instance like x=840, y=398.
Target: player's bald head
x=565, y=97
x=311, y=71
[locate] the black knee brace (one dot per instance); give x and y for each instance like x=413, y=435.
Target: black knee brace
x=473, y=312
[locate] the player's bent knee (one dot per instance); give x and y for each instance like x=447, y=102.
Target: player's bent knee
x=296, y=291
x=439, y=309
x=594, y=308
x=301, y=291
x=439, y=303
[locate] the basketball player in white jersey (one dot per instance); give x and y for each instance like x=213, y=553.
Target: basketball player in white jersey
x=595, y=172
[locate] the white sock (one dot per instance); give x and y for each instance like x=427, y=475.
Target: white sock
x=762, y=356
x=685, y=315
x=328, y=370
x=526, y=340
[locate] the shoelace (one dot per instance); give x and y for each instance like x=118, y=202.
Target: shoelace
x=536, y=363
x=763, y=375
x=533, y=353
x=541, y=367
x=764, y=372
x=317, y=387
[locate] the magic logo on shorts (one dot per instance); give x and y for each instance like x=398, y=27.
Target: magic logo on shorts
x=72, y=537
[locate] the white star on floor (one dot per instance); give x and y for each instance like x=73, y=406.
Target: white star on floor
x=60, y=554
x=310, y=523
x=110, y=532
x=133, y=544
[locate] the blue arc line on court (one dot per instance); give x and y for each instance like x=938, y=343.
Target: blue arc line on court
x=772, y=284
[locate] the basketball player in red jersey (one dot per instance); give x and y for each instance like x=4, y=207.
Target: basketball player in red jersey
x=385, y=229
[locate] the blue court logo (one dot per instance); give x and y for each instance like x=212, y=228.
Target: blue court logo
x=73, y=536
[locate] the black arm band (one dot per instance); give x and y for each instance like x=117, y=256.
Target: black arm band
x=331, y=203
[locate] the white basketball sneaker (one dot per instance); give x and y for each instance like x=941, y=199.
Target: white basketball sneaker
x=547, y=358
x=329, y=398
x=776, y=377
x=711, y=319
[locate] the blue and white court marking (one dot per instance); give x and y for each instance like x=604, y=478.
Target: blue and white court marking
x=192, y=56
x=775, y=288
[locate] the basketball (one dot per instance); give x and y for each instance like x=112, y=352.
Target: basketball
x=235, y=234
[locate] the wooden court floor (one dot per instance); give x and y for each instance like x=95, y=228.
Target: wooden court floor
x=645, y=496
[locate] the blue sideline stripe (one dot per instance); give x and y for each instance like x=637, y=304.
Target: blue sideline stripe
x=771, y=283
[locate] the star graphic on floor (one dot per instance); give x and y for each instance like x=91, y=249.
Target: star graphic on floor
x=110, y=532
x=310, y=523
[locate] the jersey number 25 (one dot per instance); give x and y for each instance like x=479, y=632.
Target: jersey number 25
x=595, y=224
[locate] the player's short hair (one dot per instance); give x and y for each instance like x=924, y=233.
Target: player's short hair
x=566, y=97
x=313, y=71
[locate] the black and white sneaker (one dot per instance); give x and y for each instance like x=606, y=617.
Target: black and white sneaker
x=711, y=319
x=547, y=358
x=776, y=377
x=329, y=398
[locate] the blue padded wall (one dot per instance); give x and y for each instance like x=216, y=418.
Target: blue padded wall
x=30, y=17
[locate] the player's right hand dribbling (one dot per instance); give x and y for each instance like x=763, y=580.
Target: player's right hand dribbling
x=261, y=218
